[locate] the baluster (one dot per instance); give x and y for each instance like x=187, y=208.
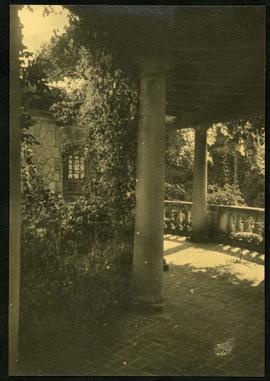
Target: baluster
x=188, y=219
x=185, y=219
x=230, y=222
x=173, y=218
x=181, y=218
x=222, y=220
x=251, y=224
x=247, y=227
x=177, y=218
x=171, y=221
x=239, y=227
x=262, y=232
x=258, y=226
x=233, y=221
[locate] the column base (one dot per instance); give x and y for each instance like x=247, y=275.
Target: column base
x=146, y=304
x=165, y=265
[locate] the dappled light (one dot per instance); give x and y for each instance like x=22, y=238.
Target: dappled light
x=210, y=256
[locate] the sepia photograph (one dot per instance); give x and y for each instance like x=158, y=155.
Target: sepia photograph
x=137, y=190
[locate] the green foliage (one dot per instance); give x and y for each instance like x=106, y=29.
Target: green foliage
x=109, y=119
x=66, y=248
x=252, y=184
x=174, y=192
x=236, y=153
x=245, y=240
x=226, y=195
x=249, y=240
x=35, y=92
x=85, y=245
x=102, y=100
x=179, y=164
x=35, y=89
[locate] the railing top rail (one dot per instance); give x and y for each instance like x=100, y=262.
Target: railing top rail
x=177, y=202
x=242, y=209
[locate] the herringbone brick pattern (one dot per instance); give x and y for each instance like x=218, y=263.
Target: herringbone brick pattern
x=212, y=324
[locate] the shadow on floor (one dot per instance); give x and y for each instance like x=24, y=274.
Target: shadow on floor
x=212, y=324
x=203, y=257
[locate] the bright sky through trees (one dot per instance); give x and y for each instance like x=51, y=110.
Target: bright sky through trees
x=37, y=28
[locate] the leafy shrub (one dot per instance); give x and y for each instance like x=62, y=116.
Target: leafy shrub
x=174, y=192
x=67, y=248
x=72, y=260
x=245, y=240
x=81, y=284
x=226, y=195
x=101, y=99
x=248, y=240
x=76, y=271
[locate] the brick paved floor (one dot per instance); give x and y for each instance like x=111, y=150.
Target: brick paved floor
x=212, y=324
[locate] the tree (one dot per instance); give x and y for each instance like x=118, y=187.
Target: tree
x=101, y=99
x=236, y=152
x=80, y=65
x=179, y=164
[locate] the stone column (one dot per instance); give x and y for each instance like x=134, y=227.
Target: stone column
x=148, y=235
x=15, y=193
x=199, y=195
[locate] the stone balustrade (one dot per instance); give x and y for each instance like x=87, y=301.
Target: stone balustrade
x=177, y=217
x=221, y=218
x=227, y=219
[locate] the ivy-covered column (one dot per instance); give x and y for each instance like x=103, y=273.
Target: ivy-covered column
x=15, y=192
x=199, y=195
x=148, y=236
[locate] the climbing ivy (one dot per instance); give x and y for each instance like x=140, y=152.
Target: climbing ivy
x=101, y=98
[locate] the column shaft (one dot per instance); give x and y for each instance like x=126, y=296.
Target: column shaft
x=199, y=195
x=148, y=235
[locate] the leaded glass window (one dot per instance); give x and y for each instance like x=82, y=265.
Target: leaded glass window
x=75, y=167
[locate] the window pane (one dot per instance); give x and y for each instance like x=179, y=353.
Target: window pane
x=75, y=167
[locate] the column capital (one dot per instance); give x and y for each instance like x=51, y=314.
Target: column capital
x=202, y=128
x=153, y=66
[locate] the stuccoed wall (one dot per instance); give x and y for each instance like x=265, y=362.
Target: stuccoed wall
x=47, y=154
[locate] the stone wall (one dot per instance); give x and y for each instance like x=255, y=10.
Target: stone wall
x=47, y=154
